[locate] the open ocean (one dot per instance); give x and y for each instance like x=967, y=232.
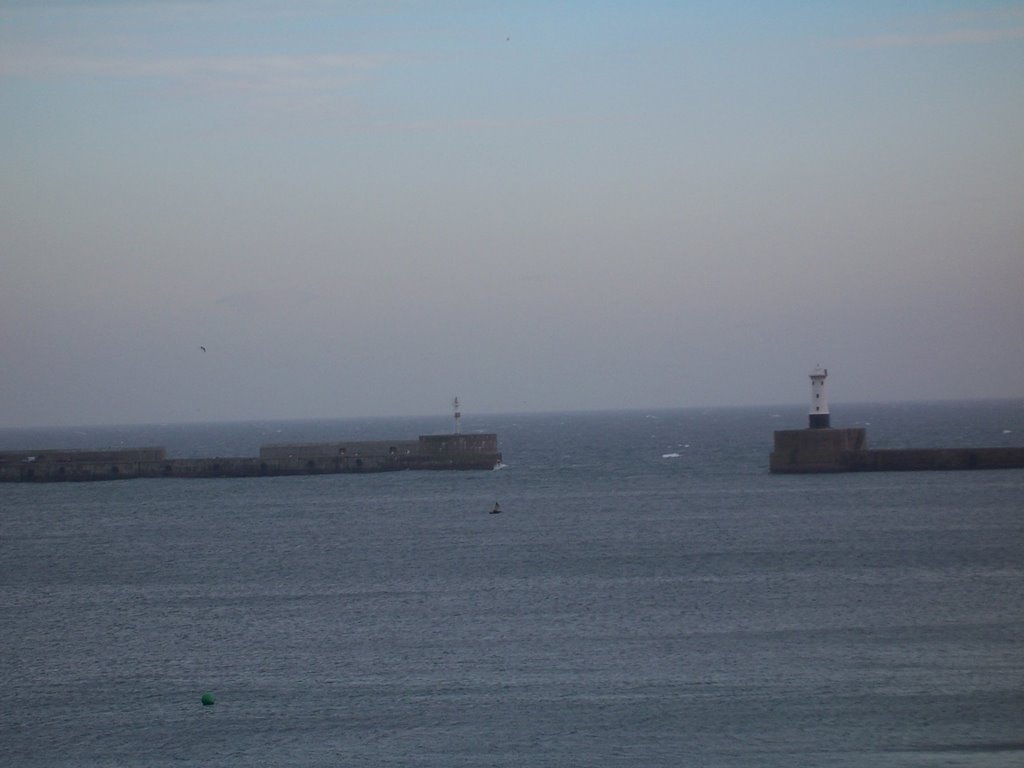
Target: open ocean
x=651, y=596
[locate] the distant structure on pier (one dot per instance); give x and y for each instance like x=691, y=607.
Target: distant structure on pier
x=818, y=417
x=478, y=451
x=821, y=448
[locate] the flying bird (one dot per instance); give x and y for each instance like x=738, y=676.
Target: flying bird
x=202, y=347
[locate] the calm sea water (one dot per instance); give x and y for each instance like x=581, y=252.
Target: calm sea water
x=650, y=596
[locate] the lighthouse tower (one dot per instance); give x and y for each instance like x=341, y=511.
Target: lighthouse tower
x=458, y=416
x=822, y=448
x=818, y=417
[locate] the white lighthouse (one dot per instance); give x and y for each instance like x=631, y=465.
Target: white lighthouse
x=458, y=416
x=818, y=417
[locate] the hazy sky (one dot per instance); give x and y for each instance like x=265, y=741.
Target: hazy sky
x=366, y=208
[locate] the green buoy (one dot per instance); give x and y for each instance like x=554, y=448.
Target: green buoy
x=208, y=699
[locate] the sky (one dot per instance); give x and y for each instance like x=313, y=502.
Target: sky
x=367, y=208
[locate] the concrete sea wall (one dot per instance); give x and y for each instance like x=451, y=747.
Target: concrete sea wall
x=453, y=452
x=916, y=459
x=816, y=450
x=845, y=450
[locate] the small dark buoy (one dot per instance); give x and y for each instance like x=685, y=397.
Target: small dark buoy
x=497, y=508
x=208, y=699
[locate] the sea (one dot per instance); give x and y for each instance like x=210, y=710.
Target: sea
x=650, y=595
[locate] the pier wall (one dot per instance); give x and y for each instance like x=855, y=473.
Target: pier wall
x=455, y=452
x=845, y=450
x=915, y=459
x=433, y=445
x=816, y=450
x=116, y=455
x=347, y=450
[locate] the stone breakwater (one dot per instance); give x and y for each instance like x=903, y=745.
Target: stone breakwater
x=845, y=450
x=454, y=452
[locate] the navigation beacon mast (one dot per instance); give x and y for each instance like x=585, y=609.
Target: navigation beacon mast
x=458, y=416
x=818, y=416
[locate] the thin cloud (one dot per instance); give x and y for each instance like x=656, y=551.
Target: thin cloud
x=987, y=16
x=272, y=83
x=949, y=37
x=969, y=27
x=56, y=64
